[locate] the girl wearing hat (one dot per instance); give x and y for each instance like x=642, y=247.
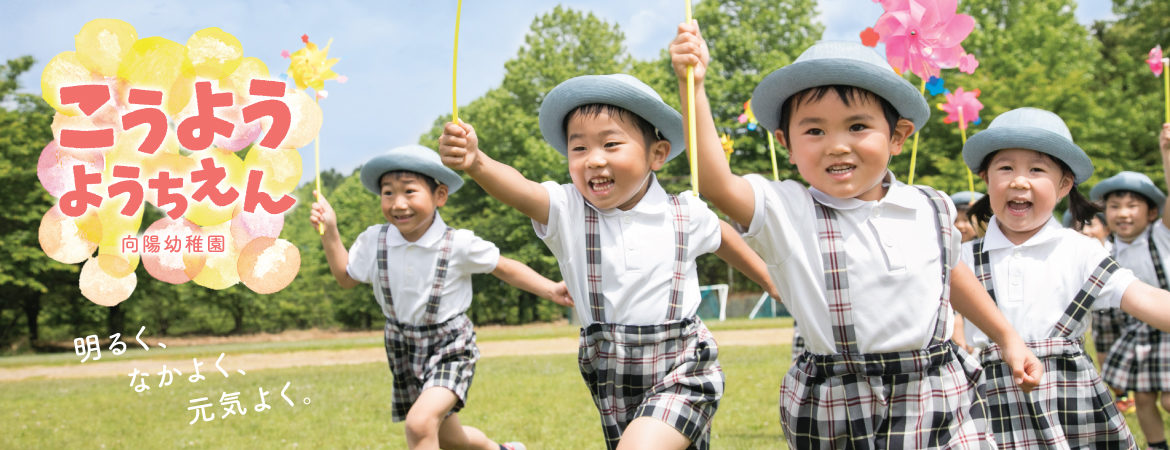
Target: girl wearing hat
x=627, y=251
x=1046, y=278
x=421, y=270
x=1139, y=361
x=865, y=263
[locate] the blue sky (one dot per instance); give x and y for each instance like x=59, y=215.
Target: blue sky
x=397, y=54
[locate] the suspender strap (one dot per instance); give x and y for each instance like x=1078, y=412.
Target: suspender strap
x=983, y=267
x=1075, y=312
x=945, y=224
x=384, y=273
x=432, y=308
x=679, y=217
x=1156, y=258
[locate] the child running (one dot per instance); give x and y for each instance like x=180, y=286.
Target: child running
x=867, y=265
x=420, y=270
x=627, y=251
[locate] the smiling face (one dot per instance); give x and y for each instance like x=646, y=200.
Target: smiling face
x=409, y=203
x=964, y=225
x=1128, y=214
x=843, y=149
x=1024, y=186
x=608, y=159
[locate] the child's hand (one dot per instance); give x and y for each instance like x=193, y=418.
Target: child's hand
x=322, y=212
x=1164, y=139
x=559, y=294
x=1026, y=369
x=458, y=146
x=689, y=49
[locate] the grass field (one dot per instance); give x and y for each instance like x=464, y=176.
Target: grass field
x=540, y=400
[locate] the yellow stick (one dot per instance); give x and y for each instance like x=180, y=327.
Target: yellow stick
x=317, y=163
x=914, y=147
x=963, y=136
x=692, y=138
x=1166, y=84
x=454, y=64
x=772, y=150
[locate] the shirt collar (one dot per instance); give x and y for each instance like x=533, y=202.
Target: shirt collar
x=995, y=239
x=433, y=235
x=897, y=194
x=654, y=202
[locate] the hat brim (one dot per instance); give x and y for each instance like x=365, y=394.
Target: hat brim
x=373, y=170
x=782, y=83
x=1115, y=184
x=604, y=90
x=990, y=140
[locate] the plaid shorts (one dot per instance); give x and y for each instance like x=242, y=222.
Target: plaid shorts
x=668, y=371
x=798, y=346
x=421, y=357
x=1108, y=324
x=1140, y=360
x=914, y=399
x=1070, y=409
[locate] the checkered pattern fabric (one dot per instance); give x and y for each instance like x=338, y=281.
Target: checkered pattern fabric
x=421, y=357
x=430, y=355
x=922, y=398
x=1140, y=359
x=798, y=347
x=667, y=371
x=1070, y=409
x=1108, y=324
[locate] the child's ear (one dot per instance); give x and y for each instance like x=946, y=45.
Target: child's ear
x=983, y=176
x=780, y=139
x=659, y=150
x=1066, y=184
x=1152, y=215
x=902, y=130
x=441, y=195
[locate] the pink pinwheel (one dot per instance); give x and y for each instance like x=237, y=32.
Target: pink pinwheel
x=1155, y=60
x=962, y=104
x=922, y=36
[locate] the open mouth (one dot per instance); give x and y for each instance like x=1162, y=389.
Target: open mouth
x=838, y=170
x=402, y=217
x=1019, y=207
x=601, y=185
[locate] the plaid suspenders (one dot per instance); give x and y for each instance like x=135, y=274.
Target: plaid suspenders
x=436, y=288
x=680, y=219
x=836, y=280
x=1156, y=258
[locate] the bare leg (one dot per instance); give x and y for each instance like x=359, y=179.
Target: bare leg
x=425, y=417
x=1149, y=417
x=455, y=436
x=647, y=432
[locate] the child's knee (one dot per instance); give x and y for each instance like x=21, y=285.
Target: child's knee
x=421, y=424
x=1165, y=401
x=1145, y=398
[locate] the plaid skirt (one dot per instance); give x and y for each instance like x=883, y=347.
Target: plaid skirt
x=929, y=398
x=1108, y=324
x=1140, y=360
x=668, y=371
x=1071, y=408
x=421, y=357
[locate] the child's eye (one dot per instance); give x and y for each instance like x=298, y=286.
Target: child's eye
x=1004, y=167
x=612, y=144
x=579, y=148
x=857, y=127
x=815, y=132
x=1039, y=170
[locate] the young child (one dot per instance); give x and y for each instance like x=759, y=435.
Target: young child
x=864, y=263
x=1046, y=278
x=1139, y=361
x=963, y=201
x=627, y=251
x=420, y=270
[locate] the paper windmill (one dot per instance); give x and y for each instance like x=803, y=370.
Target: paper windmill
x=936, y=86
x=1155, y=60
x=311, y=66
x=748, y=117
x=922, y=36
x=963, y=107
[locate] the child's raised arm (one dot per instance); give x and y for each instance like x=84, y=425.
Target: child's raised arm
x=523, y=277
x=972, y=301
x=459, y=148
x=1148, y=304
x=736, y=252
x=730, y=193
x=1164, y=145
x=335, y=251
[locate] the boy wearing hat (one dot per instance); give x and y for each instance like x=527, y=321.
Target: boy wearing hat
x=1139, y=359
x=863, y=262
x=420, y=270
x=627, y=250
x=963, y=201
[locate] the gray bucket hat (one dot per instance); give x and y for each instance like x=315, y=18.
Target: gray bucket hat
x=1129, y=181
x=414, y=158
x=1031, y=129
x=617, y=89
x=964, y=198
x=845, y=63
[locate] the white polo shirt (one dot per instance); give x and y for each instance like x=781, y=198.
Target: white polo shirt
x=412, y=269
x=1034, y=282
x=892, y=255
x=1135, y=255
x=637, y=252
